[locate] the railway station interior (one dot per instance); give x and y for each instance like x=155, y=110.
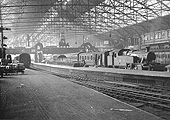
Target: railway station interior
x=85, y=59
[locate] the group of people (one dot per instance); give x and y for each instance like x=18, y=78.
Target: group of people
x=5, y=61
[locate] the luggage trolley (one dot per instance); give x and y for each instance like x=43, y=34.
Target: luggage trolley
x=20, y=67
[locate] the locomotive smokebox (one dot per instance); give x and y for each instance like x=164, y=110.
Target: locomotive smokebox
x=151, y=56
x=148, y=56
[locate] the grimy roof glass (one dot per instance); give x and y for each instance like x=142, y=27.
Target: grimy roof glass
x=49, y=18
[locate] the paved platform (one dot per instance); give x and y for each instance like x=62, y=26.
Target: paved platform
x=144, y=77
x=42, y=96
x=113, y=70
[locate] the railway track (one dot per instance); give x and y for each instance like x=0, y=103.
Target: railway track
x=153, y=99
x=154, y=96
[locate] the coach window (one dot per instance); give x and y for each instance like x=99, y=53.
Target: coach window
x=156, y=35
x=91, y=57
x=145, y=37
x=85, y=57
x=169, y=55
x=163, y=55
x=161, y=47
x=136, y=41
x=82, y=57
x=163, y=35
x=168, y=33
x=148, y=37
x=129, y=41
x=160, y=35
x=151, y=36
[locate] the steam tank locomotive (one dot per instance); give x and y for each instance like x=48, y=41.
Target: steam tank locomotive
x=119, y=58
x=129, y=59
x=144, y=60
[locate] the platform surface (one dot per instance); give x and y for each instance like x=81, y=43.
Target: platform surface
x=42, y=96
x=114, y=70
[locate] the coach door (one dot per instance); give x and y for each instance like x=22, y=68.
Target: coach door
x=96, y=59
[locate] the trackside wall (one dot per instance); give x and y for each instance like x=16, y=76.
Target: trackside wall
x=109, y=74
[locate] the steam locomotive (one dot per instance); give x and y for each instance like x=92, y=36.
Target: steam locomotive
x=118, y=58
x=129, y=59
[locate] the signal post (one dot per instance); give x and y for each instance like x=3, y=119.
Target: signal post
x=2, y=53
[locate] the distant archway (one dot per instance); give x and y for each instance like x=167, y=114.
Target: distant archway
x=87, y=47
x=39, y=46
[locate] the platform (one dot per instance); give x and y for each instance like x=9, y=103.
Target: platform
x=112, y=70
x=151, y=78
x=41, y=96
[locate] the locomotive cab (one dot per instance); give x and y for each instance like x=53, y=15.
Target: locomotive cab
x=122, y=59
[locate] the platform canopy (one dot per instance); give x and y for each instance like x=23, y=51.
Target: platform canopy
x=36, y=19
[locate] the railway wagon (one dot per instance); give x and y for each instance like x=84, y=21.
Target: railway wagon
x=25, y=58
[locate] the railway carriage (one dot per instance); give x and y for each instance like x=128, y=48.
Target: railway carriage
x=81, y=59
x=70, y=59
x=159, y=42
x=92, y=58
x=162, y=52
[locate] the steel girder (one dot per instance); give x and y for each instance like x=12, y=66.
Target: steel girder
x=50, y=18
